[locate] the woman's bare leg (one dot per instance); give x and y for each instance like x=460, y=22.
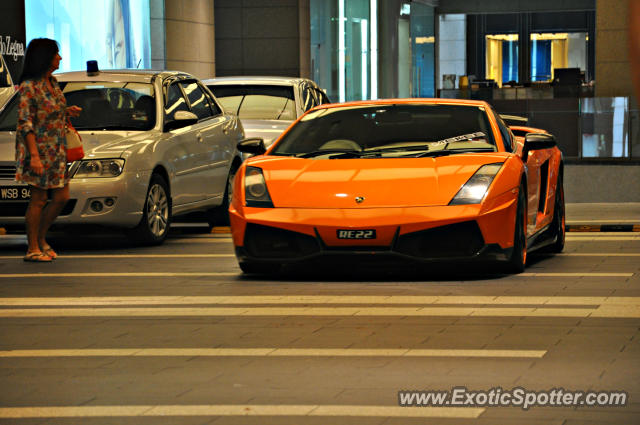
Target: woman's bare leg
x=33, y=217
x=58, y=200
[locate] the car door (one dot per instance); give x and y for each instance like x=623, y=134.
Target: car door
x=212, y=131
x=186, y=152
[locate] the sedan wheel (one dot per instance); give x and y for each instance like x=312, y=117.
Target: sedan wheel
x=156, y=215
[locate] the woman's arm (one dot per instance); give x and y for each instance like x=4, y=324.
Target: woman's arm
x=27, y=111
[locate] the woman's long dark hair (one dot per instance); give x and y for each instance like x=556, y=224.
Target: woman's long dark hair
x=37, y=59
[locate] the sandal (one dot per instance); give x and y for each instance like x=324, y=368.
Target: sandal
x=37, y=257
x=49, y=252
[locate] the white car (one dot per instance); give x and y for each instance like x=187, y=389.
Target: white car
x=266, y=105
x=157, y=145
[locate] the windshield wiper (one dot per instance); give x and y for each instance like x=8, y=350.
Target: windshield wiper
x=445, y=152
x=342, y=153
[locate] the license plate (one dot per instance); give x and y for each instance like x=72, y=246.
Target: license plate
x=15, y=193
x=356, y=234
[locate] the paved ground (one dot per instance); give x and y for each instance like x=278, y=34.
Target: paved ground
x=603, y=213
x=113, y=334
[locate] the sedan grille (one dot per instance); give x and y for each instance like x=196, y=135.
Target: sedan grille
x=7, y=171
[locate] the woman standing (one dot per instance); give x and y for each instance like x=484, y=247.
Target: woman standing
x=41, y=145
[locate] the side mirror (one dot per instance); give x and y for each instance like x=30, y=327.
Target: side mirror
x=181, y=119
x=537, y=141
x=254, y=146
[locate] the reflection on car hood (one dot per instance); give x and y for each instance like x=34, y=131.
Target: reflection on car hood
x=388, y=182
x=102, y=144
x=269, y=130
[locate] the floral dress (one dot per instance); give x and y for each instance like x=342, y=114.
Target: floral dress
x=42, y=113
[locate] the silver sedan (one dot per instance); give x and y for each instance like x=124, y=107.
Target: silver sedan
x=157, y=145
x=266, y=105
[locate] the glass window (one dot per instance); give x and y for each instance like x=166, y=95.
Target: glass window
x=175, y=100
x=116, y=33
x=502, y=58
x=5, y=76
x=111, y=105
x=197, y=100
x=507, y=136
x=605, y=127
x=308, y=98
x=400, y=130
x=550, y=51
x=260, y=102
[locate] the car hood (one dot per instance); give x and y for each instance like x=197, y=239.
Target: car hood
x=103, y=144
x=268, y=130
x=388, y=182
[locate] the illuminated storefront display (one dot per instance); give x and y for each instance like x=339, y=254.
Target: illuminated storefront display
x=113, y=32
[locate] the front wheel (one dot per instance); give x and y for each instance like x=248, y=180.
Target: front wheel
x=518, y=258
x=156, y=214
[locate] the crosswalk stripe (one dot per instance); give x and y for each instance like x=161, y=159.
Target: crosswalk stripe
x=631, y=311
x=240, y=410
x=223, y=274
x=271, y=352
x=320, y=299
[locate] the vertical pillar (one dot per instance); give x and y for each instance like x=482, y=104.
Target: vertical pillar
x=613, y=71
x=190, y=36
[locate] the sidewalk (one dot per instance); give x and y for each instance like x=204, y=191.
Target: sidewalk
x=604, y=217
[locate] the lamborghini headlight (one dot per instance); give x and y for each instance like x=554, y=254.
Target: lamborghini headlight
x=255, y=189
x=473, y=191
x=100, y=168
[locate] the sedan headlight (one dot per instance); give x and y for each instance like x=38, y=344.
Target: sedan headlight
x=100, y=168
x=255, y=189
x=473, y=191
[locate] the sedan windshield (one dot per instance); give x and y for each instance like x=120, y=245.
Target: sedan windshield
x=112, y=105
x=388, y=131
x=259, y=102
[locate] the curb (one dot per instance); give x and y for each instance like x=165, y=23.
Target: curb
x=603, y=227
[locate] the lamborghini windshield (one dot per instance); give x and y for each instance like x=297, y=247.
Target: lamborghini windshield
x=389, y=130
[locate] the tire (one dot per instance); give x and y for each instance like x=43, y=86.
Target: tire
x=248, y=267
x=557, y=227
x=518, y=258
x=156, y=214
x=219, y=216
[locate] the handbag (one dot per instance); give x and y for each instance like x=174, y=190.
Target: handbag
x=75, y=151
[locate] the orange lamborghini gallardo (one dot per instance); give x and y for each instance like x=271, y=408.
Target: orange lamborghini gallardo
x=419, y=180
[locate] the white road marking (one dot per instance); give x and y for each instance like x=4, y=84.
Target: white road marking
x=239, y=410
x=591, y=238
x=108, y=256
x=621, y=221
x=139, y=274
x=632, y=311
x=319, y=299
x=271, y=352
x=222, y=274
x=597, y=254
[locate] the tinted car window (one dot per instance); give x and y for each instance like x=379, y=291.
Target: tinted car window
x=322, y=97
x=111, y=105
x=175, y=101
x=197, y=99
x=400, y=130
x=308, y=98
x=261, y=102
x=506, y=134
x=5, y=78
